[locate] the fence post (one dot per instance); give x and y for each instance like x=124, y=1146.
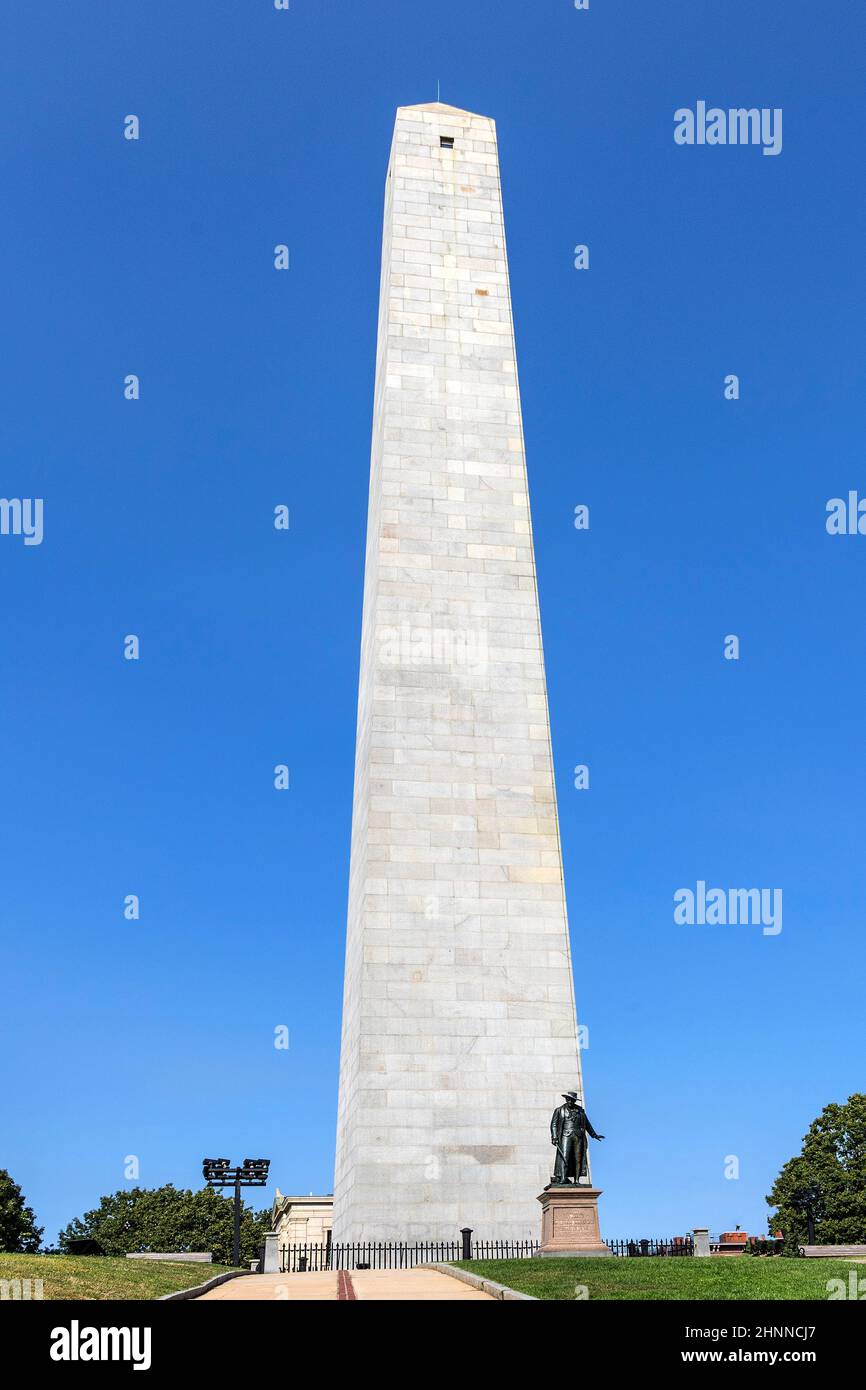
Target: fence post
x=466, y=1234
x=271, y=1256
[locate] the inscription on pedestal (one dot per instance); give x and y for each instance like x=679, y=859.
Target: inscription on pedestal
x=574, y=1223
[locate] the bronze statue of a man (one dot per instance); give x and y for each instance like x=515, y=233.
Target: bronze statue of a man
x=569, y=1127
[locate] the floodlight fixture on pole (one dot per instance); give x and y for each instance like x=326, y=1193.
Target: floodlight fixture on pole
x=253, y=1172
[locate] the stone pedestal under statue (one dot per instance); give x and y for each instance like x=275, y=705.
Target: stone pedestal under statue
x=569, y=1222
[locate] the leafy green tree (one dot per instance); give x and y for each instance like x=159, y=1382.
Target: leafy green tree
x=169, y=1219
x=19, y=1233
x=827, y=1179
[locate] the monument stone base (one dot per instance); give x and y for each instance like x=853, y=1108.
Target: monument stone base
x=569, y=1222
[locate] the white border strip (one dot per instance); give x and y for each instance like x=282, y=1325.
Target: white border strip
x=203, y=1288
x=490, y=1286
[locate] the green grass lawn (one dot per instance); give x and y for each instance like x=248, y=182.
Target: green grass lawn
x=100, y=1277
x=739, y=1276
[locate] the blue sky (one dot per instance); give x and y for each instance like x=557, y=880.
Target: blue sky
x=155, y=1037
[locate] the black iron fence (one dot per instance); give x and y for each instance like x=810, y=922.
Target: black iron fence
x=502, y=1250
x=300, y=1259
x=675, y=1245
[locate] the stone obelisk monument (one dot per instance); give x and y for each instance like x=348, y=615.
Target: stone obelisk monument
x=459, y=1030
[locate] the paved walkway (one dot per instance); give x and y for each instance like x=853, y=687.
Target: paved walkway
x=274, y=1287
x=423, y=1285
x=400, y=1285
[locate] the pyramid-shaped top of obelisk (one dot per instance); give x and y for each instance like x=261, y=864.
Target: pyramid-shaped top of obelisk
x=443, y=109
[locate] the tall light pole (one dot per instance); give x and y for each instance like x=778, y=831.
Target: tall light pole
x=253, y=1172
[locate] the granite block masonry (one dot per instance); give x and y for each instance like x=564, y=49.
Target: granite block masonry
x=459, y=1029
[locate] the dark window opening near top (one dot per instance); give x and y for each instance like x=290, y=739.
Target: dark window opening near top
x=446, y=142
